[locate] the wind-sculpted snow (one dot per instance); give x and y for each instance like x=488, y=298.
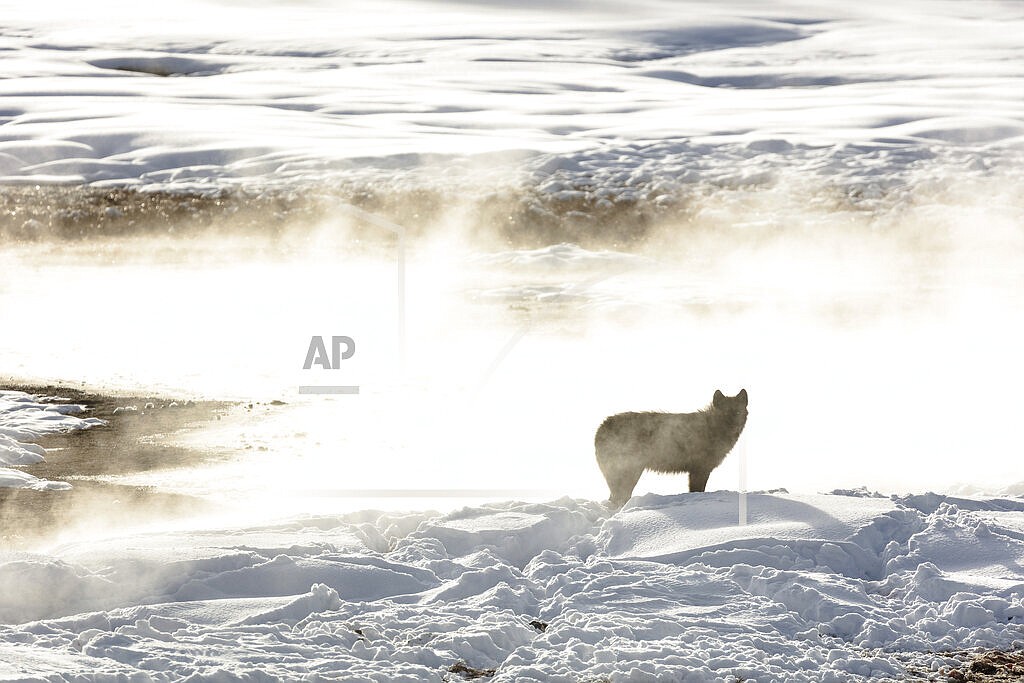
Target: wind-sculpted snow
x=815, y=588
x=213, y=94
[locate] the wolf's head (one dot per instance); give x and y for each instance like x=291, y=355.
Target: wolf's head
x=730, y=404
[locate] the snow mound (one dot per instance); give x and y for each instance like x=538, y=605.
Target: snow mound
x=815, y=588
x=25, y=418
x=781, y=532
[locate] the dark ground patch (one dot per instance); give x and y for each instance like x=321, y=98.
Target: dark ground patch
x=989, y=667
x=516, y=217
x=470, y=673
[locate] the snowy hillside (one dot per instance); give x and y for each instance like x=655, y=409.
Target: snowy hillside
x=815, y=588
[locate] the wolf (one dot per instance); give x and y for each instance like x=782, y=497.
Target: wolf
x=629, y=443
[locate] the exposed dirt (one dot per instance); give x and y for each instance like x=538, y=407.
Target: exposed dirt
x=515, y=217
x=991, y=666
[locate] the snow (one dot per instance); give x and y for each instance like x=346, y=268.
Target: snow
x=816, y=588
x=25, y=418
x=276, y=94
x=559, y=257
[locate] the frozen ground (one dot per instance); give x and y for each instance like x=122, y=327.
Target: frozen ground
x=815, y=588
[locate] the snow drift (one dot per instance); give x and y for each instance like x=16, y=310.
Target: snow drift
x=815, y=588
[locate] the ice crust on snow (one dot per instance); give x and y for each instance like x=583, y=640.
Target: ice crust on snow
x=25, y=418
x=816, y=588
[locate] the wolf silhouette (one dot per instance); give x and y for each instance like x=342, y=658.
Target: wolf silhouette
x=629, y=443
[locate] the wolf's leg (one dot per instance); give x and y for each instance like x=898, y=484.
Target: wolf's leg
x=698, y=480
x=621, y=475
x=622, y=485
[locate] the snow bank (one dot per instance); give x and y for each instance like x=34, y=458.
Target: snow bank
x=816, y=588
x=25, y=418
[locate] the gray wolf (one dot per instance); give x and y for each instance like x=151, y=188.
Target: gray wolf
x=629, y=443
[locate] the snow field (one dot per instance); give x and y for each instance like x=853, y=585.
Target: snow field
x=565, y=98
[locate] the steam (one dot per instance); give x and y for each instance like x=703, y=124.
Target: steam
x=877, y=337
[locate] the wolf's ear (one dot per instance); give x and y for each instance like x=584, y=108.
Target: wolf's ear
x=718, y=399
x=742, y=396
